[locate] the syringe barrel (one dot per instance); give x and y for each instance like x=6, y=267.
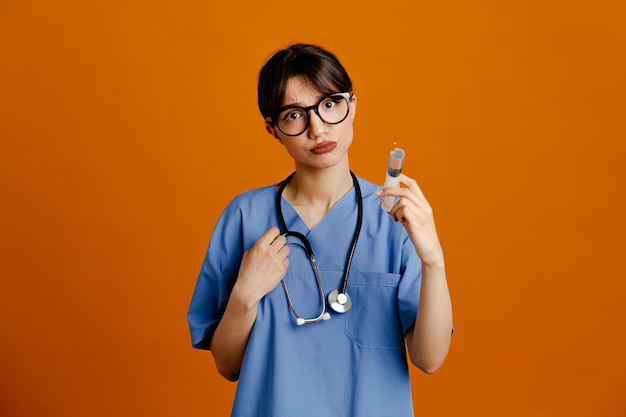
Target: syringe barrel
x=396, y=160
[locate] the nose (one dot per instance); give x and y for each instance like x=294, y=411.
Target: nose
x=317, y=126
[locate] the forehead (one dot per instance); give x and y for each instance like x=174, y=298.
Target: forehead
x=301, y=91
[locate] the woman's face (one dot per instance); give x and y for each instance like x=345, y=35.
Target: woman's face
x=321, y=145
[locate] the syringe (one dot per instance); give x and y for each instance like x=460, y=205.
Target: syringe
x=396, y=159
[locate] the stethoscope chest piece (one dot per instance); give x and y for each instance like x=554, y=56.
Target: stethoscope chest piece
x=340, y=302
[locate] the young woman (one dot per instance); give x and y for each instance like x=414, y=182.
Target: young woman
x=310, y=294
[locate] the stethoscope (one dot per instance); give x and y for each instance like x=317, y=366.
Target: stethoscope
x=339, y=299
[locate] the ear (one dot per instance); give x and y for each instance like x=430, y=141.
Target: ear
x=353, y=104
x=272, y=131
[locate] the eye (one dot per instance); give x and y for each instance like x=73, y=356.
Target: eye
x=291, y=115
x=330, y=102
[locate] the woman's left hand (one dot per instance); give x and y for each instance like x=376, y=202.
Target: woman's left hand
x=413, y=211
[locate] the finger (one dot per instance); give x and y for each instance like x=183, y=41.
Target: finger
x=270, y=236
x=279, y=243
x=390, y=192
x=397, y=212
x=284, y=251
x=406, y=216
x=410, y=194
x=412, y=185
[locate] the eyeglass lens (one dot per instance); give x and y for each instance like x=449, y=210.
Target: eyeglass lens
x=332, y=110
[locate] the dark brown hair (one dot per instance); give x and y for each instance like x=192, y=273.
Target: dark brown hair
x=320, y=67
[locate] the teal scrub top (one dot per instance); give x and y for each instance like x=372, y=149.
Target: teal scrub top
x=354, y=364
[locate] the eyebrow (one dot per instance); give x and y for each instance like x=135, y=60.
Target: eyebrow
x=292, y=105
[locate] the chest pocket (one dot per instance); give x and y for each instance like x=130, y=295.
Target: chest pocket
x=373, y=321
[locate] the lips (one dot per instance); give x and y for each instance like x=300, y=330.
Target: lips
x=324, y=147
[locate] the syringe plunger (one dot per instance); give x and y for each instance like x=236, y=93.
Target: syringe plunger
x=396, y=159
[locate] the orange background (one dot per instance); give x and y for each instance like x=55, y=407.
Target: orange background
x=127, y=126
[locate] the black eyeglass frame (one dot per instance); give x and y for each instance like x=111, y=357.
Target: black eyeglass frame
x=345, y=96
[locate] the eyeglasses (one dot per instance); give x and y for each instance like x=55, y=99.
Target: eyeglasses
x=332, y=109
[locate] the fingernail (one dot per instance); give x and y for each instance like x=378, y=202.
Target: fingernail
x=379, y=192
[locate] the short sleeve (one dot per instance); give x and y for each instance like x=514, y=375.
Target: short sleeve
x=216, y=279
x=205, y=310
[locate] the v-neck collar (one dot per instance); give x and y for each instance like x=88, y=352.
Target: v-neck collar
x=295, y=222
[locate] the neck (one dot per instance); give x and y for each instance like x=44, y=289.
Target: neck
x=319, y=187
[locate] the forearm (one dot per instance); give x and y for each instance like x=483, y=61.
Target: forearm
x=429, y=340
x=230, y=339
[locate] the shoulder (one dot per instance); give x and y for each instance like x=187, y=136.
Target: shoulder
x=367, y=188
x=247, y=216
x=368, y=193
x=375, y=216
x=251, y=200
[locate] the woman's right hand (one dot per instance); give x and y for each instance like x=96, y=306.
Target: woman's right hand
x=262, y=267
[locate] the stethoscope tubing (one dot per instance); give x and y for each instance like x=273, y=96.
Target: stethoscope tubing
x=345, y=306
